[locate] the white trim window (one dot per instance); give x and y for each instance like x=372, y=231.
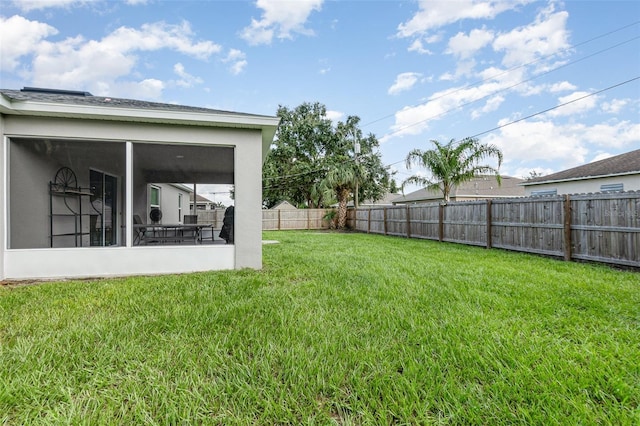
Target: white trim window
x=154, y=197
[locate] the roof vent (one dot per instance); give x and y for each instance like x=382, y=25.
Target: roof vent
x=55, y=91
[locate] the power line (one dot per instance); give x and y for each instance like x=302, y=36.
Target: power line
x=474, y=136
x=505, y=88
x=555, y=107
x=510, y=70
x=492, y=94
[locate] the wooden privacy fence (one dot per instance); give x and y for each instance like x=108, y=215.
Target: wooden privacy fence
x=275, y=219
x=294, y=219
x=595, y=227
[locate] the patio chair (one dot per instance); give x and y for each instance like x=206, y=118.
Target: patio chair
x=189, y=219
x=140, y=231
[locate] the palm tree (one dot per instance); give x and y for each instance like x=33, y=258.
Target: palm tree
x=340, y=182
x=452, y=164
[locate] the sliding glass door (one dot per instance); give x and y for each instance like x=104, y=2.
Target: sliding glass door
x=104, y=209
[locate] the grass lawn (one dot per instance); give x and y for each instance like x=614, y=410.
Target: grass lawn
x=336, y=329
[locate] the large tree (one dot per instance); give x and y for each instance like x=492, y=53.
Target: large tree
x=452, y=164
x=313, y=162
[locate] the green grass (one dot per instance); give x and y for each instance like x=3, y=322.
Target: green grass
x=337, y=328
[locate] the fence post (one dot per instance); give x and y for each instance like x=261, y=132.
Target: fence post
x=369, y=222
x=279, y=219
x=384, y=219
x=441, y=222
x=488, y=224
x=408, y=222
x=567, y=227
x=308, y=219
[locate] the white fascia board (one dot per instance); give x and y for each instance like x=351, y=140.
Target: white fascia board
x=216, y=119
x=580, y=178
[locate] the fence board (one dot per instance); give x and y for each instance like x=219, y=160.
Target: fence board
x=595, y=227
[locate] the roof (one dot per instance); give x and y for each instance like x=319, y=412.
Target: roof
x=70, y=97
x=199, y=198
x=479, y=187
x=623, y=164
x=284, y=205
x=386, y=200
x=83, y=105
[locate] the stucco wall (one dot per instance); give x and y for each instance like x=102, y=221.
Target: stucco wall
x=247, y=251
x=630, y=182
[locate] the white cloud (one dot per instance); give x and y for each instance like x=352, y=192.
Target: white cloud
x=417, y=46
x=567, y=145
x=491, y=105
x=435, y=14
x=540, y=141
x=576, y=105
x=615, y=106
x=335, y=116
x=525, y=172
x=237, y=59
x=150, y=88
x=465, y=46
x=601, y=156
x=158, y=36
x=29, y=5
x=186, y=80
x=614, y=135
x=547, y=35
x=280, y=19
x=404, y=81
x=100, y=66
x=563, y=86
x=20, y=37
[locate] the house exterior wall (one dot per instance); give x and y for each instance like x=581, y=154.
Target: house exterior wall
x=585, y=186
x=3, y=193
x=169, y=203
x=115, y=261
x=248, y=203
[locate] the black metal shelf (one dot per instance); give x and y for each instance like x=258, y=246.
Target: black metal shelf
x=65, y=186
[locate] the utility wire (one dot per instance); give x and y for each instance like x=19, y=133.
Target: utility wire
x=510, y=70
x=555, y=107
x=474, y=136
x=492, y=94
x=507, y=88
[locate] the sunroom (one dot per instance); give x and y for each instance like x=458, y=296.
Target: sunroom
x=96, y=186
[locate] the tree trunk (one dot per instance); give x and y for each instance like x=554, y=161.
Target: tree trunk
x=342, y=194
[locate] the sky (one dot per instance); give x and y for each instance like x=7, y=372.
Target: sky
x=553, y=84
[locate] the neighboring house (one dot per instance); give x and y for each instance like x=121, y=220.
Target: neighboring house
x=284, y=205
x=202, y=203
x=171, y=200
x=78, y=170
x=618, y=173
x=480, y=188
x=387, y=200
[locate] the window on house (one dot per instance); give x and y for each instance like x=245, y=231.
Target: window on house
x=612, y=187
x=544, y=192
x=154, y=197
x=179, y=207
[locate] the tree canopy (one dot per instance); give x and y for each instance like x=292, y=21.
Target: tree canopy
x=312, y=162
x=452, y=163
